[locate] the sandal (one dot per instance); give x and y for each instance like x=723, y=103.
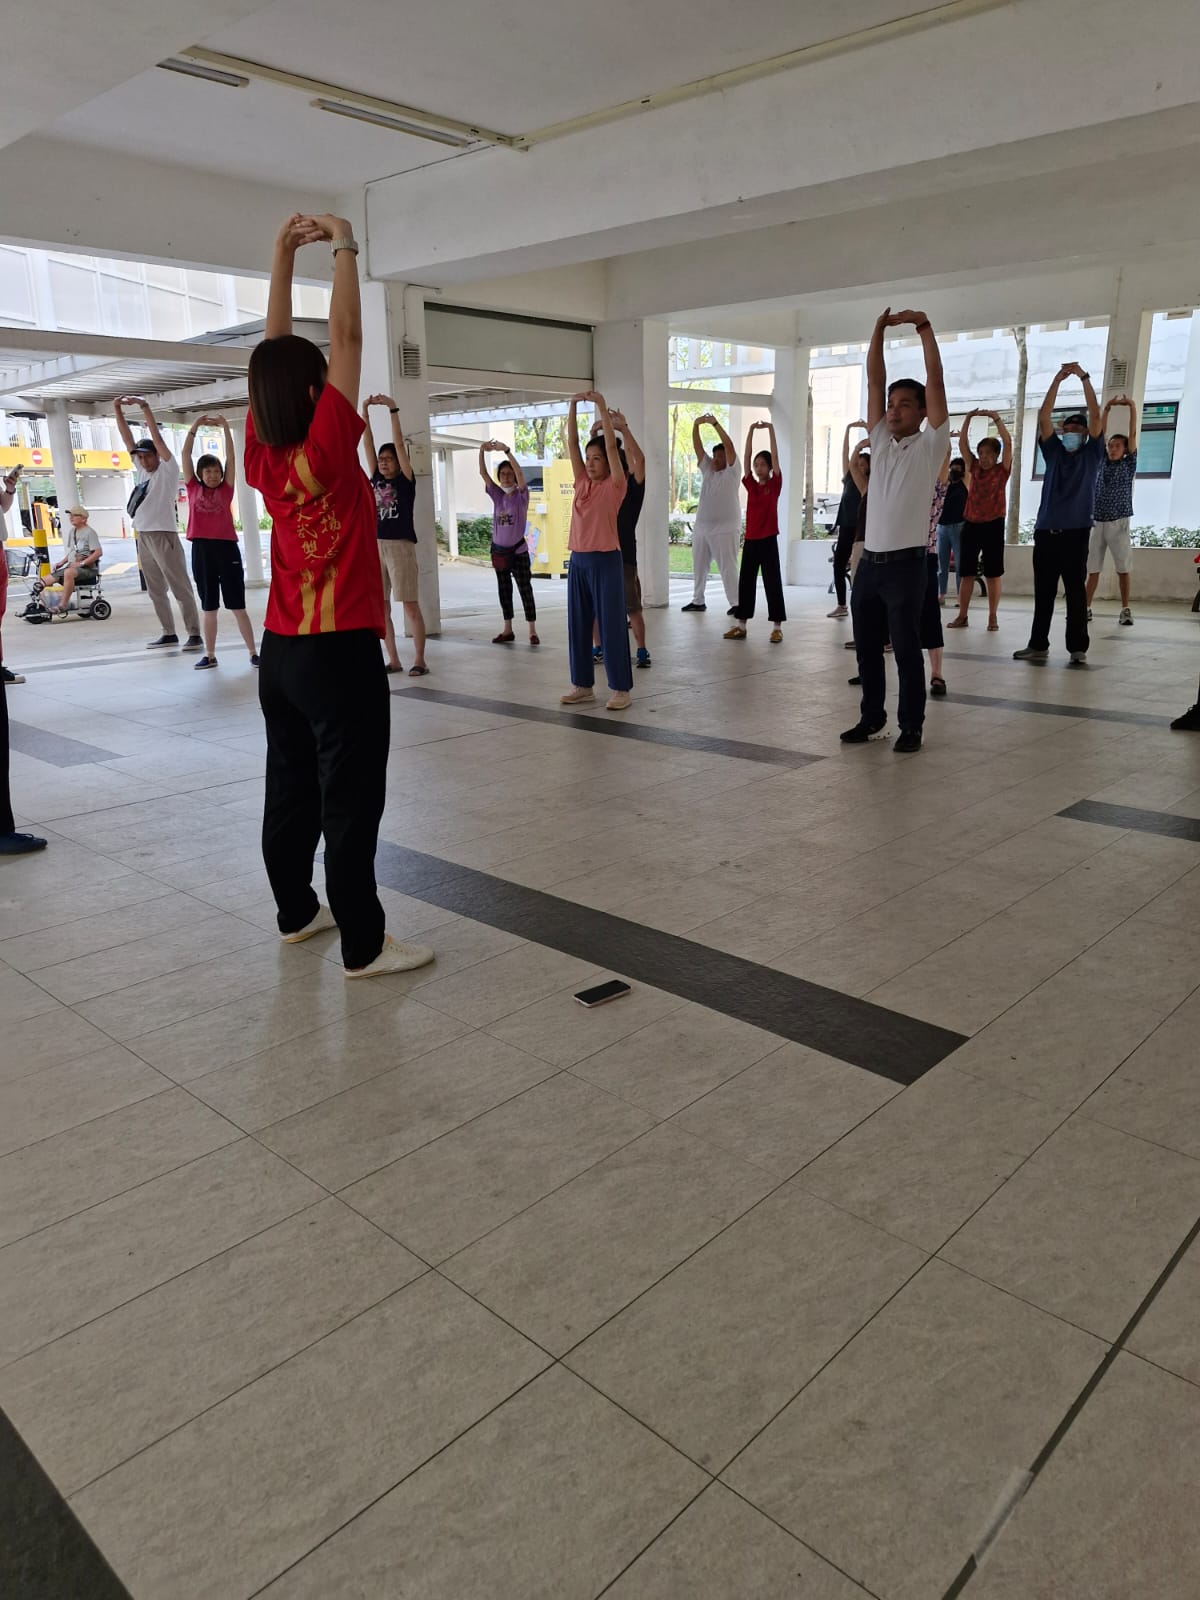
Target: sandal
x=534, y=641
x=993, y=627
x=937, y=686
x=959, y=622
x=505, y=638
x=418, y=672
x=399, y=667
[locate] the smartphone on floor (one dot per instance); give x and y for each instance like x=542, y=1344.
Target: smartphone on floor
x=602, y=993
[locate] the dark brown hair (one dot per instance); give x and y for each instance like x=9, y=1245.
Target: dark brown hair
x=282, y=373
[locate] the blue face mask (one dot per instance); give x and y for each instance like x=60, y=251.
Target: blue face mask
x=1072, y=441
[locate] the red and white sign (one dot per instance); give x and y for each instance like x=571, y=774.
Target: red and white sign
x=115, y=459
x=37, y=457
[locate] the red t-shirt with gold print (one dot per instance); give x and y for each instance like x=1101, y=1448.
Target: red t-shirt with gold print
x=324, y=556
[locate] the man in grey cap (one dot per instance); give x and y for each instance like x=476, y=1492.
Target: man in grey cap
x=152, y=506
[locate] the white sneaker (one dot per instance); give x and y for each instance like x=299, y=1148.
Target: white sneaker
x=321, y=923
x=394, y=957
x=1126, y=617
x=577, y=697
x=619, y=700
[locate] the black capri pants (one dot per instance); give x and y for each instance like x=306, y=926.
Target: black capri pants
x=516, y=565
x=218, y=574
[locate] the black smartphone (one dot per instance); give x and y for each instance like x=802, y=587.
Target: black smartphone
x=602, y=993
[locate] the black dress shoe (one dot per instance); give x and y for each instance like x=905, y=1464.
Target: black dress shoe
x=692, y=606
x=20, y=844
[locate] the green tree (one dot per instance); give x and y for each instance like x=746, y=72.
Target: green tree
x=683, y=480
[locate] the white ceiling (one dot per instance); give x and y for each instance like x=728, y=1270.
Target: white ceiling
x=513, y=69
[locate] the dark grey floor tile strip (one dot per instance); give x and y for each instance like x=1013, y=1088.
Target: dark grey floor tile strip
x=1044, y=708
x=45, y=1554
x=53, y=748
x=704, y=743
x=1163, y=822
x=892, y=1045
x=100, y=661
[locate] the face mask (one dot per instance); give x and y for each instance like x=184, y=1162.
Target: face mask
x=1072, y=441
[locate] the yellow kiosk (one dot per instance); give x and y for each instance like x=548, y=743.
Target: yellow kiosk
x=550, y=521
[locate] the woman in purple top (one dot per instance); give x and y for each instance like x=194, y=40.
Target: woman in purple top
x=509, y=495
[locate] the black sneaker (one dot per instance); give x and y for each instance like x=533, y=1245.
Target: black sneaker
x=11, y=677
x=253, y=661
x=692, y=606
x=1189, y=722
x=908, y=743
x=863, y=732
x=643, y=657
x=20, y=844
x=732, y=612
x=1031, y=653
x=161, y=644
x=193, y=642
x=205, y=662
x=854, y=682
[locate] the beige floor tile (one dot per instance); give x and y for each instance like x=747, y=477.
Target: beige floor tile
x=669, y=1063
x=58, y=1176
x=927, y=1159
x=290, y=1078
x=56, y=1098
x=709, y=1355
x=563, y=1032
x=362, y=1129
x=21, y=999
x=443, y=1197
x=505, y=983
x=48, y=1040
x=80, y=1268
x=1113, y=1515
x=787, y=1108
x=720, y=1548
x=22, y=914
x=890, y=1461
x=90, y=1400
x=1086, y=1225
x=457, y=944
x=547, y=1499
x=561, y=1268
x=86, y=936
x=1156, y=1093
x=1169, y=1333
x=220, y=1507
x=86, y=977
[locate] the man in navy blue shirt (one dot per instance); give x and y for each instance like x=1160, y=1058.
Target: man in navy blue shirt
x=1073, y=456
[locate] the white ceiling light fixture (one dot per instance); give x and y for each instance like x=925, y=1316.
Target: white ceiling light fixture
x=381, y=119
x=196, y=69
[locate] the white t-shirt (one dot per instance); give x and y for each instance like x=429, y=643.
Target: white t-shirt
x=903, y=475
x=157, y=512
x=720, y=507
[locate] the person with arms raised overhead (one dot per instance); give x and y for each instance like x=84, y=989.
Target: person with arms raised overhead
x=718, y=523
x=909, y=434
x=216, y=557
x=627, y=523
x=595, y=576
x=322, y=686
x=152, y=506
x=845, y=523
x=1073, y=458
x=1114, y=509
x=12, y=843
x=982, y=534
x=509, y=495
x=395, y=486
x=760, y=553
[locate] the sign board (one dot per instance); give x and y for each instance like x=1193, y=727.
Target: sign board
x=39, y=460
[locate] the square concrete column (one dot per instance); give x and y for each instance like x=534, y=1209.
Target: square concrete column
x=1129, y=329
x=1184, y=508
x=394, y=315
x=790, y=416
x=248, y=512
x=630, y=364
x=62, y=455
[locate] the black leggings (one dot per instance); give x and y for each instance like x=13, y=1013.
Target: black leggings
x=841, y=561
x=518, y=567
x=760, y=555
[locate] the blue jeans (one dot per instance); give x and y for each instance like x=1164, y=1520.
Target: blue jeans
x=949, y=538
x=885, y=602
x=596, y=593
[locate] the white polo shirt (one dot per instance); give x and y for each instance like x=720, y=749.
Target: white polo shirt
x=903, y=475
x=720, y=506
x=157, y=512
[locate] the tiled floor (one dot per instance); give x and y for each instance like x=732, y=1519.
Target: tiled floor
x=441, y=1286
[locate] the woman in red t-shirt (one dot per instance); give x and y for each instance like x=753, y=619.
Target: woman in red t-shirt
x=216, y=559
x=322, y=686
x=763, y=484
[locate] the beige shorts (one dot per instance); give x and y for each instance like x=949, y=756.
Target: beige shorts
x=1113, y=537
x=398, y=559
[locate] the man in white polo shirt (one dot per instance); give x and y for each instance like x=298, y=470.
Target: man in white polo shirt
x=153, y=507
x=718, y=525
x=909, y=430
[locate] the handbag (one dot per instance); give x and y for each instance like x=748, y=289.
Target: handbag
x=136, y=498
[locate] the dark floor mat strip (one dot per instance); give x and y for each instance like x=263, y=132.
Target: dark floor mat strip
x=54, y=748
x=1044, y=708
x=45, y=1554
x=676, y=738
x=887, y=1043
x=1165, y=823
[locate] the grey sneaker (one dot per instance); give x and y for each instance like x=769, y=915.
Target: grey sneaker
x=1031, y=654
x=1126, y=617
x=1079, y=658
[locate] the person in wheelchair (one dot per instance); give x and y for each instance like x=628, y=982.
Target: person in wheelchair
x=81, y=558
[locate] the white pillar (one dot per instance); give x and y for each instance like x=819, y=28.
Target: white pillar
x=62, y=453
x=1129, y=329
x=1184, y=507
x=450, y=503
x=790, y=416
x=248, y=512
x=393, y=314
x=630, y=364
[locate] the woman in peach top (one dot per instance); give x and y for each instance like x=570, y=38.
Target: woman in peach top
x=596, y=576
